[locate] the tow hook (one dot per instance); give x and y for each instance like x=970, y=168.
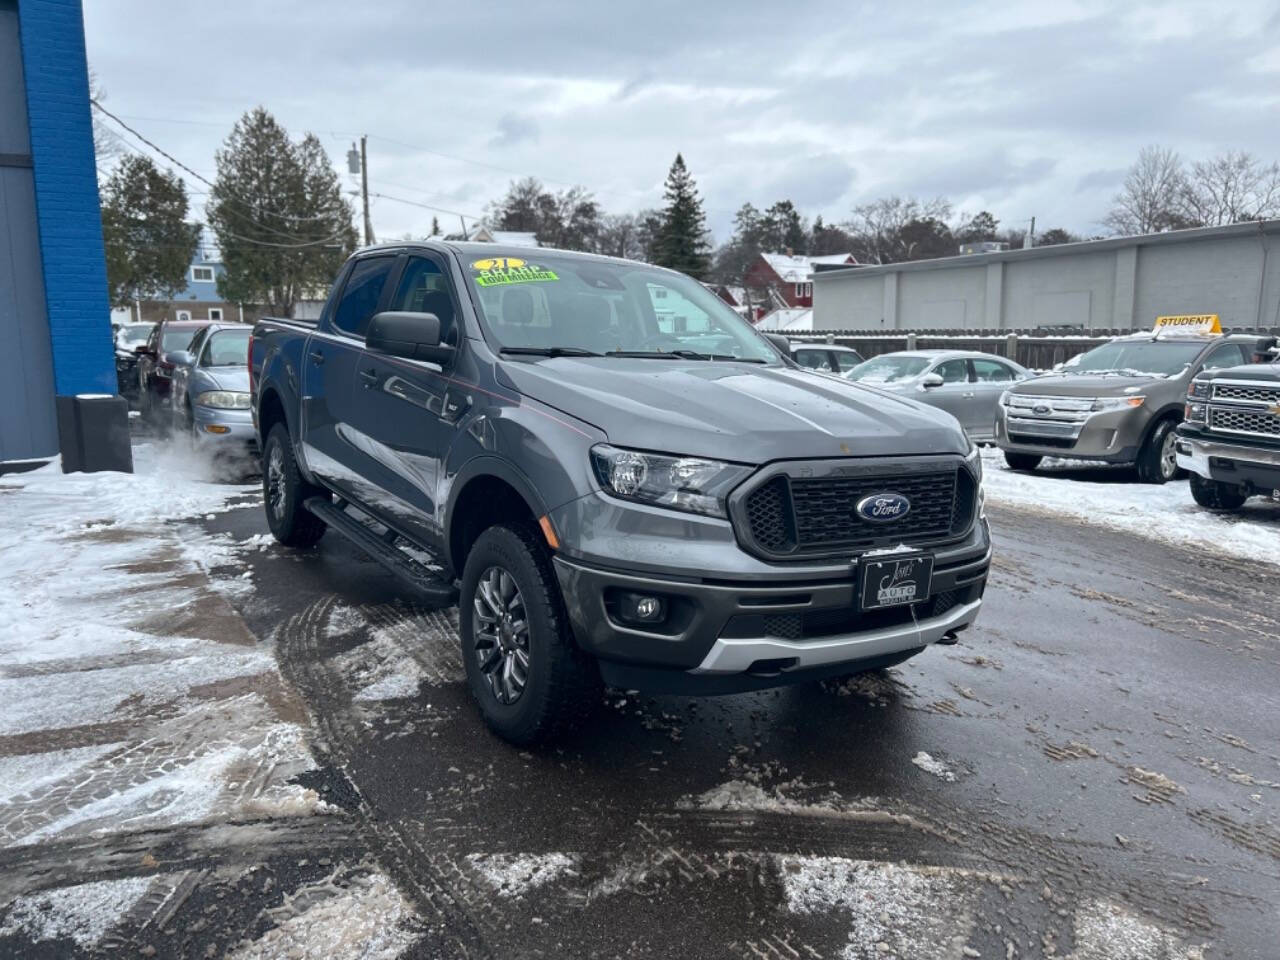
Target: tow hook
x=949, y=639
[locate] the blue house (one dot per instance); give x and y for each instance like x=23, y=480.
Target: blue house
x=198, y=299
x=57, y=362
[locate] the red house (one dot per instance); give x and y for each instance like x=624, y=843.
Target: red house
x=783, y=280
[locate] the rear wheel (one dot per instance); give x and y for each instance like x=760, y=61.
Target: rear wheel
x=1022, y=461
x=1158, y=461
x=1216, y=495
x=284, y=492
x=528, y=677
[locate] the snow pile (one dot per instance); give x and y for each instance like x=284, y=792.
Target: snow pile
x=512, y=875
x=906, y=911
x=368, y=920
x=932, y=765
x=1111, y=498
x=82, y=913
x=1108, y=931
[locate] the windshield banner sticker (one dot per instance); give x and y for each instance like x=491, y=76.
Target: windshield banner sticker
x=496, y=271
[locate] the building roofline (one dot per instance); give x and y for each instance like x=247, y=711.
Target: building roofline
x=1230, y=231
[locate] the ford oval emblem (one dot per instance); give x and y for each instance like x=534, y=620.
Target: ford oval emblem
x=882, y=507
x=1041, y=408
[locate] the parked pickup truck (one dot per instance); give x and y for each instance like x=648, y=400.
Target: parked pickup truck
x=1230, y=439
x=533, y=430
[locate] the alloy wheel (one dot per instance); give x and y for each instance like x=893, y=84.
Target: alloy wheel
x=1169, y=456
x=501, y=635
x=275, y=482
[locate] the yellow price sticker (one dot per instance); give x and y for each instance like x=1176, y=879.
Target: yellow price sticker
x=498, y=263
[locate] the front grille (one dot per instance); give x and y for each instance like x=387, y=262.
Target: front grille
x=1234, y=391
x=1236, y=420
x=802, y=516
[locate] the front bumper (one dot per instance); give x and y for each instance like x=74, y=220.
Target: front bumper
x=1112, y=436
x=725, y=636
x=225, y=428
x=1252, y=467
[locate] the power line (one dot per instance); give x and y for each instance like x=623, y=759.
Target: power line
x=425, y=206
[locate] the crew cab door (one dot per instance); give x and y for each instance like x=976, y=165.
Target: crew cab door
x=329, y=360
x=408, y=410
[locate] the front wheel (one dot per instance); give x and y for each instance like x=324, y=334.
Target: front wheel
x=284, y=492
x=528, y=677
x=1022, y=461
x=1216, y=495
x=1158, y=461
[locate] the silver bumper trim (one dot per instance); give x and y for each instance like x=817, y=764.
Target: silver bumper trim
x=735, y=655
x=1197, y=459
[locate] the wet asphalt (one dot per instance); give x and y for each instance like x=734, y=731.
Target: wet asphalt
x=1109, y=731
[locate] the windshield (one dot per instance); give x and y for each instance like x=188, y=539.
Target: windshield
x=228, y=348
x=887, y=369
x=134, y=333
x=548, y=303
x=1136, y=357
x=178, y=339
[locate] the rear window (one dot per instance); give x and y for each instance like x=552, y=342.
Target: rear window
x=178, y=339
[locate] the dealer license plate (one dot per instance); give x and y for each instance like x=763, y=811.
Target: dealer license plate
x=894, y=581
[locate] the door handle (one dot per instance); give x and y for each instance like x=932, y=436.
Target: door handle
x=369, y=376
x=317, y=358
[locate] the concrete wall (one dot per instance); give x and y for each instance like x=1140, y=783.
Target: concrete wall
x=1122, y=283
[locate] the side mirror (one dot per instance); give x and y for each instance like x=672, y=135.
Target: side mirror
x=414, y=336
x=780, y=343
x=931, y=380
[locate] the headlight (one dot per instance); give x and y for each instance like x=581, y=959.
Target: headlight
x=1199, y=390
x=681, y=483
x=1004, y=398
x=1195, y=412
x=974, y=459
x=1117, y=403
x=223, y=400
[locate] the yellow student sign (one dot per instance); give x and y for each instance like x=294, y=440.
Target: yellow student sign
x=1190, y=323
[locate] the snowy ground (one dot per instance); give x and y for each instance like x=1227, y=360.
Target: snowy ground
x=1111, y=497
x=133, y=696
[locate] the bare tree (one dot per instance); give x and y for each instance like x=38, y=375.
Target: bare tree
x=1151, y=197
x=107, y=144
x=880, y=229
x=1229, y=188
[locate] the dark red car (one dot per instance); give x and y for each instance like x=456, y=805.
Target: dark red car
x=155, y=369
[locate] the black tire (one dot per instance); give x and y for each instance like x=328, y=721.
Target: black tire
x=290, y=522
x=1216, y=495
x=1022, y=461
x=1155, y=461
x=561, y=684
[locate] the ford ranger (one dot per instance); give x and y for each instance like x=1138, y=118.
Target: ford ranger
x=615, y=475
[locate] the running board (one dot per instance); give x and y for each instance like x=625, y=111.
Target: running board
x=383, y=549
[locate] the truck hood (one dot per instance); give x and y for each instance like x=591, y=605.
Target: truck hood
x=734, y=411
x=1083, y=385
x=1252, y=371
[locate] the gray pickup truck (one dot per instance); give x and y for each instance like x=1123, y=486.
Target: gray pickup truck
x=623, y=481
x=1230, y=440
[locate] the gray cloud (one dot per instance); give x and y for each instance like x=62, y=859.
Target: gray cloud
x=514, y=128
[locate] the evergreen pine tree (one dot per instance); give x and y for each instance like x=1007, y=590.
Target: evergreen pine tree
x=682, y=240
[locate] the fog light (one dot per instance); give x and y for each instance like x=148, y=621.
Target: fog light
x=216, y=428
x=639, y=608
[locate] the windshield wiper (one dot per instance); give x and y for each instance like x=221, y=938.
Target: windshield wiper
x=659, y=354
x=549, y=352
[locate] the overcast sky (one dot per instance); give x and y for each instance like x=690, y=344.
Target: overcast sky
x=1020, y=108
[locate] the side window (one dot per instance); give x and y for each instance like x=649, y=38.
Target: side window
x=198, y=341
x=846, y=360
x=953, y=371
x=361, y=295
x=1227, y=355
x=992, y=371
x=424, y=288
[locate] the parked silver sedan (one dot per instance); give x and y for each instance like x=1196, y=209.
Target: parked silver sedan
x=211, y=389
x=965, y=384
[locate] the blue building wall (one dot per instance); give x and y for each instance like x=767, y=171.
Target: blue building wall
x=66, y=187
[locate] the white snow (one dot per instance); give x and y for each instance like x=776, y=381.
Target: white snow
x=932, y=765
x=369, y=920
x=1110, y=498
x=1108, y=931
x=82, y=913
x=106, y=577
x=512, y=875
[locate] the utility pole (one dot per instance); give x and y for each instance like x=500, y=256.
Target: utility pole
x=364, y=190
